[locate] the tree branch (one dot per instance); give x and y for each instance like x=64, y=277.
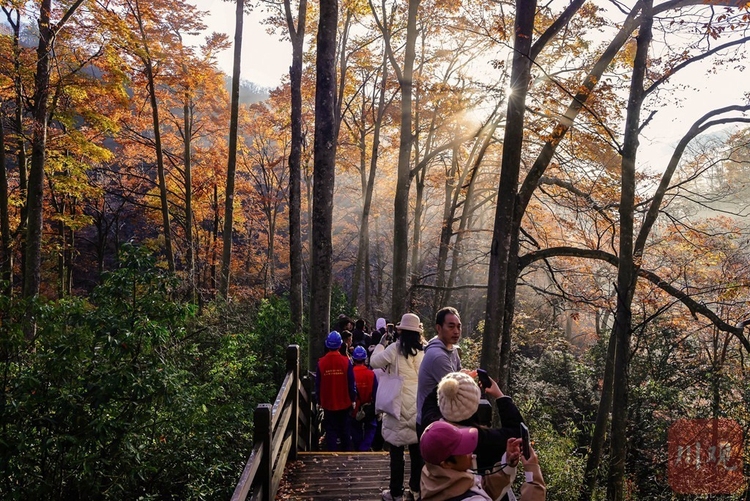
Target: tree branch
x=691, y=304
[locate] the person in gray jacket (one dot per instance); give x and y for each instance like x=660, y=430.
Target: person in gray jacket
x=440, y=357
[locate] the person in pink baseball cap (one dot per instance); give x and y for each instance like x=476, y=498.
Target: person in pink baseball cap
x=449, y=470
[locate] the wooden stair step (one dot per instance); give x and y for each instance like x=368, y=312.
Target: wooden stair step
x=337, y=476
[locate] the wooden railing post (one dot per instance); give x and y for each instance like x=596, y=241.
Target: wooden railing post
x=292, y=367
x=307, y=383
x=262, y=419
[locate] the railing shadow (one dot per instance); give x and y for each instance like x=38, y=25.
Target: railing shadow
x=281, y=430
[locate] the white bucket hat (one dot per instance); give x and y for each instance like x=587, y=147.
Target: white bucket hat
x=410, y=322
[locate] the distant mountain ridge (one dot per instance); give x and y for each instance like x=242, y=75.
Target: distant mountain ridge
x=249, y=92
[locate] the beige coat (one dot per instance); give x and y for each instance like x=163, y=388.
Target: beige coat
x=401, y=431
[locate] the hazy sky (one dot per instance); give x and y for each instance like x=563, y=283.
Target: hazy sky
x=266, y=61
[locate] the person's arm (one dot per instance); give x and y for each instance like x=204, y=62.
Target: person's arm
x=374, y=389
x=492, y=442
x=317, y=384
x=352, y=384
x=430, y=409
x=534, y=488
x=510, y=416
x=383, y=356
x=497, y=482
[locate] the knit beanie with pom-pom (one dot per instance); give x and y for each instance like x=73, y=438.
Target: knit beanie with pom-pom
x=458, y=396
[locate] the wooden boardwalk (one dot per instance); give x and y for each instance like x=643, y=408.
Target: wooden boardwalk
x=336, y=476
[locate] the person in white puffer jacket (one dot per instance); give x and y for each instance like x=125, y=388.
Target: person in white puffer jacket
x=400, y=432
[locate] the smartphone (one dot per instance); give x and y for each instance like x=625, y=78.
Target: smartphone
x=525, y=447
x=484, y=378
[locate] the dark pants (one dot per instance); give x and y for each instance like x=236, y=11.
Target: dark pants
x=420, y=430
x=377, y=442
x=336, y=426
x=363, y=433
x=397, y=469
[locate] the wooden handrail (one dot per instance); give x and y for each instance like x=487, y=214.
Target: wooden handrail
x=281, y=430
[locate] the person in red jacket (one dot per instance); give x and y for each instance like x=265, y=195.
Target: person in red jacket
x=334, y=386
x=364, y=421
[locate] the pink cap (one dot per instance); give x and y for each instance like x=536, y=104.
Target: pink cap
x=442, y=440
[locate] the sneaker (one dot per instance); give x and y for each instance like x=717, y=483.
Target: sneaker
x=386, y=495
x=410, y=495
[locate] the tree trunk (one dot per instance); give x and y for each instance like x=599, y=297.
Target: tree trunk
x=494, y=332
x=627, y=269
x=21, y=154
x=187, y=116
x=324, y=175
x=295, y=163
x=416, y=239
x=446, y=232
x=600, y=426
x=507, y=189
x=160, y=170
x=509, y=311
x=61, y=275
x=464, y=224
x=404, y=176
x=35, y=194
x=215, y=239
x=359, y=263
x=370, y=187
x=270, y=254
x=226, y=254
x=6, y=253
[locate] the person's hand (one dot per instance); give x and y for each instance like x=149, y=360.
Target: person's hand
x=533, y=459
x=513, y=452
x=472, y=372
x=385, y=340
x=494, y=391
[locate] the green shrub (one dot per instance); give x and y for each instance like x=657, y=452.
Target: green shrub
x=128, y=396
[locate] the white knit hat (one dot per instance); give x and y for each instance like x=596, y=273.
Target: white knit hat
x=458, y=396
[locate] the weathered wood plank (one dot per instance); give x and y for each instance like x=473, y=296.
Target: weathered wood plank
x=337, y=476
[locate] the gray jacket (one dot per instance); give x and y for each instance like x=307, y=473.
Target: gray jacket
x=437, y=362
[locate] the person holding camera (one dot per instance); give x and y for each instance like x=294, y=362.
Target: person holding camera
x=449, y=473
x=456, y=400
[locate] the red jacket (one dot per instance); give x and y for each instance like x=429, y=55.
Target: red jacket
x=366, y=386
x=335, y=382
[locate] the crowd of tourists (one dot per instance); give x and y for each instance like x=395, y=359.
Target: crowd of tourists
x=390, y=389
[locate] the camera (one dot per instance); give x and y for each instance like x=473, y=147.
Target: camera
x=484, y=379
x=525, y=445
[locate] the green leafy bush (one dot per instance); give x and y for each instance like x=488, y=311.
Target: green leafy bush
x=127, y=395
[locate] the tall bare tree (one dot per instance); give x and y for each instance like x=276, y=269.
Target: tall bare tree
x=324, y=176
x=506, y=195
x=405, y=75
x=6, y=256
x=40, y=106
x=226, y=254
x=297, y=36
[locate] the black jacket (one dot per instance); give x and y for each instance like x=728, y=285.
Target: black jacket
x=492, y=441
